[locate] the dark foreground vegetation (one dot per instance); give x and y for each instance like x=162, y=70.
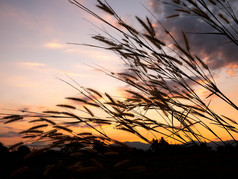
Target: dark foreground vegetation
x=120, y=161
x=162, y=73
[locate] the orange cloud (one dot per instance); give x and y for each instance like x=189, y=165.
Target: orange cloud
x=233, y=66
x=231, y=72
x=32, y=64
x=232, y=69
x=54, y=45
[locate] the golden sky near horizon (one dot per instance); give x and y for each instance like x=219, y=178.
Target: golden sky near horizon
x=35, y=52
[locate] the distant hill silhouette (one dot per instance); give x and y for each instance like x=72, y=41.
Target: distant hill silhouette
x=212, y=145
x=138, y=145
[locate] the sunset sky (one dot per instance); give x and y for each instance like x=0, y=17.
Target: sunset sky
x=35, y=52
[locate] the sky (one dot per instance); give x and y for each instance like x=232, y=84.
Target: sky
x=35, y=52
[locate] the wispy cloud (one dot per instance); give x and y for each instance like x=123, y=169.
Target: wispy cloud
x=54, y=45
x=9, y=134
x=44, y=68
x=32, y=64
x=96, y=57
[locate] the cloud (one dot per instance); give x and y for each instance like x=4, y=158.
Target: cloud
x=96, y=57
x=32, y=64
x=36, y=66
x=216, y=48
x=232, y=69
x=9, y=134
x=44, y=68
x=38, y=144
x=92, y=53
x=54, y=45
